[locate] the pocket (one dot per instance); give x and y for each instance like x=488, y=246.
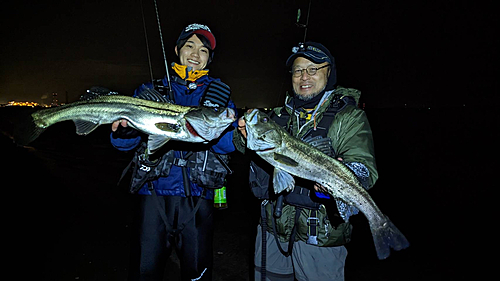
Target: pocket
x=207, y=171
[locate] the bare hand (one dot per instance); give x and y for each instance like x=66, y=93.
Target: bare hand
x=241, y=126
x=117, y=123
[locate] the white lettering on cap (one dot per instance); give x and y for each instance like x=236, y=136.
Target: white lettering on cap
x=196, y=26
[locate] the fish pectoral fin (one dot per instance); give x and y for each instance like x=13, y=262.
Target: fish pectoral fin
x=155, y=142
x=285, y=160
x=168, y=127
x=84, y=127
x=282, y=181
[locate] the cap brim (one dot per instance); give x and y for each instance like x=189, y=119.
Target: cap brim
x=306, y=55
x=210, y=37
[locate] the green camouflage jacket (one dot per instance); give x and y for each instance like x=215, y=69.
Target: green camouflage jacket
x=352, y=141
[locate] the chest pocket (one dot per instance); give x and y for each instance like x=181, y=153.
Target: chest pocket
x=209, y=169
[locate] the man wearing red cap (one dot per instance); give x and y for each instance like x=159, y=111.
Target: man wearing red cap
x=177, y=189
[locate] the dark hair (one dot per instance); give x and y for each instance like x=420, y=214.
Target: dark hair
x=205, y=43
x=203, y=40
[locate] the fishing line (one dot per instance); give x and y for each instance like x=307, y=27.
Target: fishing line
x=147, y=43
x=162, y=45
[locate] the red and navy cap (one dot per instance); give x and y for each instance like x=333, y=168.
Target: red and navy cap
x=200, y=29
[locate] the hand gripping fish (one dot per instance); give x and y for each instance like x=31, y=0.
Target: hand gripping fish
x=162, y=121
x=291, y=156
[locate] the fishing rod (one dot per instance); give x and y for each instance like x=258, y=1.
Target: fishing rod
x=162, y=46
x=300, y=25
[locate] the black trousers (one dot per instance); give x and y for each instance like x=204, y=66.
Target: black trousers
x=193, y=243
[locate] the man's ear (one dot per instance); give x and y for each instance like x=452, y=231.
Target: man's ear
x=176, y=52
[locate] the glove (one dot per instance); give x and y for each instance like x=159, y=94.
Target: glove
x=216, y=95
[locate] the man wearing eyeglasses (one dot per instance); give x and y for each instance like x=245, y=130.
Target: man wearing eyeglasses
x=305, y=241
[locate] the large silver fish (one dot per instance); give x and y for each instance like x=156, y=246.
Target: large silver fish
x=162, y=121
x=290, y=155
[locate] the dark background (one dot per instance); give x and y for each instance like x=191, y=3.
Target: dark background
x=413, y=53
x=426, y=70
x=65, y=217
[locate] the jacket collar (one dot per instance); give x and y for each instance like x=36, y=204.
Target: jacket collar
x=187, y=73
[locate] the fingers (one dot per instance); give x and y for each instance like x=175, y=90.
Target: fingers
x=241, y=127
x=114, y=126
x=117, y=123
x=320, y=188
x=241, y=122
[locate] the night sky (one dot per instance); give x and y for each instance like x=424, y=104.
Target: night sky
x=413, y=53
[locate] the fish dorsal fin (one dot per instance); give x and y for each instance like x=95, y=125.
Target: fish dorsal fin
x=282, y=181
x=155, y=142
x=95, y=92
x=84, y=127
x=283, y=159
x=152, y=95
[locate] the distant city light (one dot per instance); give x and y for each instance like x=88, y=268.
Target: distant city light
x=25, y=103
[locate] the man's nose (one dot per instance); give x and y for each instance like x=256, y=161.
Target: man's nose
x=304, y=75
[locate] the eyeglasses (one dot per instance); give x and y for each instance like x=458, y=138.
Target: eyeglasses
x=311, y=71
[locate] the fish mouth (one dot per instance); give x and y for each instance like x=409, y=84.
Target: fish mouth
x=192, y=131
x=267, y=149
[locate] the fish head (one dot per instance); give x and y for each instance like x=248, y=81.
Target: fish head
x=263, y=134
x=208, y=123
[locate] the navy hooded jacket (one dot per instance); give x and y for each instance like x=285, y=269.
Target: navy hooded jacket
x=173, y=184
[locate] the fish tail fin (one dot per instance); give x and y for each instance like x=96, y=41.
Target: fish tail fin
x=26, y=130
x=388, y=236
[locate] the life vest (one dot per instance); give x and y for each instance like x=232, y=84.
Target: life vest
x=315, y=220
x=208, y=169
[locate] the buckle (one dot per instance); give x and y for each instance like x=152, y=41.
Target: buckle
x=312, y=240
x=312, y=218
x=180, y=162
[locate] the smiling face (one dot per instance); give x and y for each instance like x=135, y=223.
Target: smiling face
x=193, y=53
x=306, y=86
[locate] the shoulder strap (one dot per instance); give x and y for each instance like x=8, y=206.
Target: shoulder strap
x=337, y=104
x=222, y=162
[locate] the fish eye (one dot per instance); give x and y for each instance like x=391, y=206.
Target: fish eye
x=216, y=109
x=265, y=119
